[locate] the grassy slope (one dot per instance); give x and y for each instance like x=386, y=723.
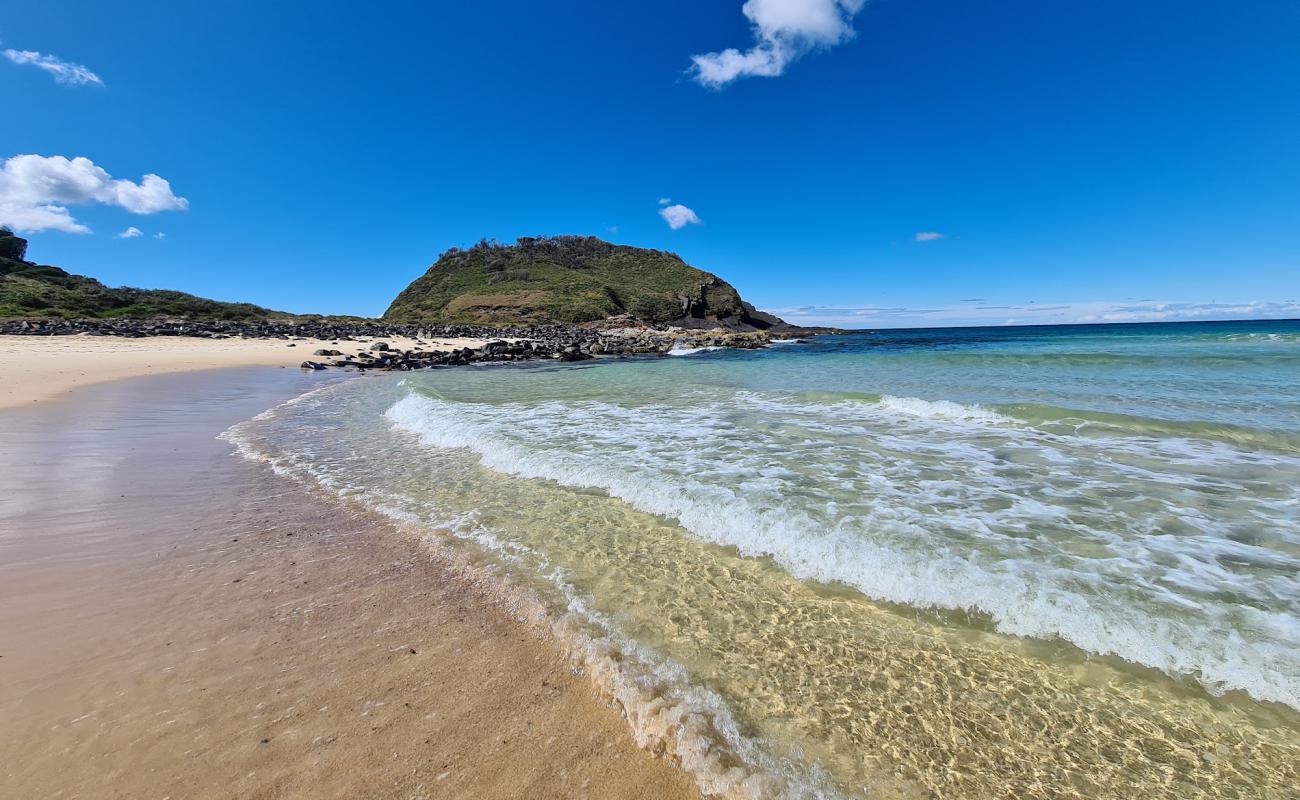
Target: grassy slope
x=39, y=292
x=562, y=279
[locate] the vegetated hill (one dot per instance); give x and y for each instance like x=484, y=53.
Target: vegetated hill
x=571, y=279
x=33, y=291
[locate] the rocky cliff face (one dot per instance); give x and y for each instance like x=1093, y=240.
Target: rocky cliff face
x=571, y=279
x=12, y=247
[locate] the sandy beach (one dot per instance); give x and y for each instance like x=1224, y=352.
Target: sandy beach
x=42, y=367
x=920, y=422
x=178, y=622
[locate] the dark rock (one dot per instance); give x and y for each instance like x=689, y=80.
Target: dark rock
x=11, y=246
x=565, y=342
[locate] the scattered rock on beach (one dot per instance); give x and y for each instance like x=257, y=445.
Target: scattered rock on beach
x=612, y=338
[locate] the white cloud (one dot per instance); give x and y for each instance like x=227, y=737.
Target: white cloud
x=64, y=72
x=160, y=235
x=928, y=236
x=784, y=30
x=130, y=233
x=1034, y=313
x=663, y=201
x=35, y=192
x=679, y=216
x=28, y=218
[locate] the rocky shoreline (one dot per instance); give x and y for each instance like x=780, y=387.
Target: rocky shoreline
x=609, y=338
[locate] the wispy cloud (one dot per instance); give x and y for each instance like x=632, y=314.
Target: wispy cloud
x=130, y=233
x=160, y=235
x=928, y=236
x=679, y=216
x=784, y=30
x=64, y=72
x=35, y=192
x=1035, y=314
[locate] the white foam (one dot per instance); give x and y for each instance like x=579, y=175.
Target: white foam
x=929, y=515
x=943, y=409
x=690, y=351
x=666, y=712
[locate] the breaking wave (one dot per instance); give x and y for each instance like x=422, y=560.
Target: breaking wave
x=924, y=503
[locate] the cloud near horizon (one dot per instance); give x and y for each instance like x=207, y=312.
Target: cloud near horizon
x=1035, y=314
x=35, y=192
x=679, y=216
x=784, y=31
x=64, y=72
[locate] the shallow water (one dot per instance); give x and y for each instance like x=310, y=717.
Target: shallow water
x=983, y=563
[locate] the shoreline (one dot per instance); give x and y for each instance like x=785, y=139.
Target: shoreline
x=45, y=367
x=570, y=481
x=352, y=582
x=320, y=650
x=43, y=364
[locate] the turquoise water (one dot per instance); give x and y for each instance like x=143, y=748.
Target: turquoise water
x=892, y=563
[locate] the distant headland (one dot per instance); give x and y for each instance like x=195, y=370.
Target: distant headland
x=536, y=282
x=570, y=298
x=573, y=279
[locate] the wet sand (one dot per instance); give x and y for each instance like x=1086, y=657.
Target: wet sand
x=42, y=367
x=178, y=622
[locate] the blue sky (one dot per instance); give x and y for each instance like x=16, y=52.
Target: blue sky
x=1080, y=161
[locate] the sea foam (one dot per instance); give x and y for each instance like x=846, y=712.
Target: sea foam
x=690, y=351
x=667, y=712
x=934, y=513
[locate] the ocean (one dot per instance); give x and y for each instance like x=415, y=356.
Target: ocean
x=962, y=563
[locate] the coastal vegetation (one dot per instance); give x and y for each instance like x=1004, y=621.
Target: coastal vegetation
x=35, y=291
x=570, y=279
x=536, y=282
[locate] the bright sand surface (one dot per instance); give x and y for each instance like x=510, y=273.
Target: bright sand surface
x=40, y=367
x=176, y=621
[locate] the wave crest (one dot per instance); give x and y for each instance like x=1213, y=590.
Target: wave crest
x=886, y=546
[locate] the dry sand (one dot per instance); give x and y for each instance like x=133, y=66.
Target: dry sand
x=178, y=622
x=41, y=367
